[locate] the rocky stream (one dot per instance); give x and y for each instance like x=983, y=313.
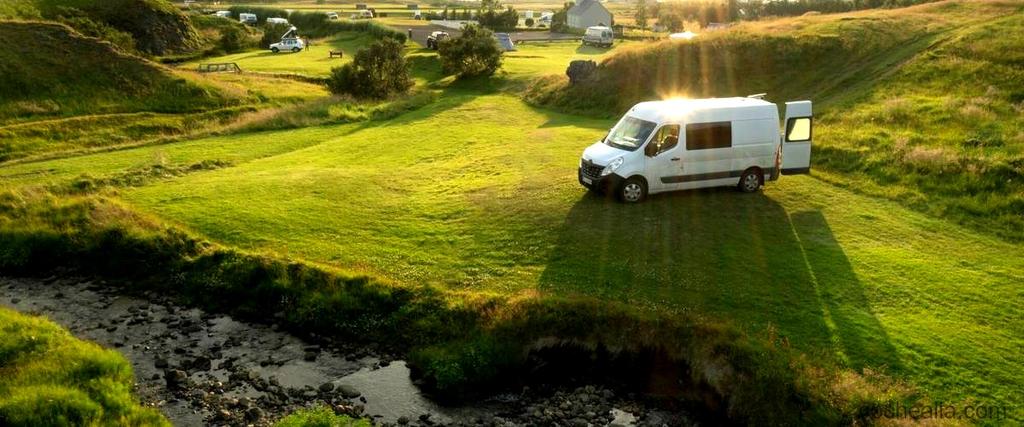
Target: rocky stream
x=204, y=368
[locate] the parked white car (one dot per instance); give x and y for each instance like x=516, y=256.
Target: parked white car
x=672, y=145
x=277, y=21
x=599, y=36
x=247, y=18
x=292, y=44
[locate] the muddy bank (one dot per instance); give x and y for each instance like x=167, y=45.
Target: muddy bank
x=203, y=368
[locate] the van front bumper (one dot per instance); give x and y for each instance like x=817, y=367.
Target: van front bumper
x=605, y=183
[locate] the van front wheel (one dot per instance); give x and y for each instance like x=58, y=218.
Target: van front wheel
x=633, y=190
x=750, y=181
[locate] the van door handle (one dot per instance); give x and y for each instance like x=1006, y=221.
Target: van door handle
x=675, y=159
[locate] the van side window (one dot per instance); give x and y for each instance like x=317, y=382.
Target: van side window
x=703, y=136
x=666, y=139
x=798, y=129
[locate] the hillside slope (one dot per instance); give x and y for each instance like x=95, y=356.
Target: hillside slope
x=50, y=70
x=156, y=26
x=922, y=105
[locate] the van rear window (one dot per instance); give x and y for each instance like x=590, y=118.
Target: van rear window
x=703, y=136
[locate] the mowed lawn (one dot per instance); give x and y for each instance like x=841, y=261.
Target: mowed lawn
x=478, y=194
x=313, y=61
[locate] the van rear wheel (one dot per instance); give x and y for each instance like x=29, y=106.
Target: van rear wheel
x=274, y=50
x=633, y=190
x=750, y=181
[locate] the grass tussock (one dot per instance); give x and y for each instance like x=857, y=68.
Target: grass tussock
x=460, y=345
x=320, y=417
x=49, y=378
x=56, y=72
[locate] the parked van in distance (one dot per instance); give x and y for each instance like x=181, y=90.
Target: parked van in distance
x=222, y=13
x=277, y=21
x=672, y=145
x=362, y=14
x=599, y=36
x=247, y=18
x=332, y=16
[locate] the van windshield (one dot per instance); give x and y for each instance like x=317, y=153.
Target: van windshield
x=629, y=133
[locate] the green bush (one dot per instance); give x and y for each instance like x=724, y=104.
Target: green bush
x=378, y=71
x=272, y=33
x=319, y=417
x=233, y=39
x=473, y=53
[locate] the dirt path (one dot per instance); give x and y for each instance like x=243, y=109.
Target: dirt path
x=208, y=369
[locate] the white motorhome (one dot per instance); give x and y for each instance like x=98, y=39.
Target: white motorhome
x=247, y=18
x=277, y=21
x=684, y=144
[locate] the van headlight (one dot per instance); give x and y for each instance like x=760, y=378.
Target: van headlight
x=612, y=166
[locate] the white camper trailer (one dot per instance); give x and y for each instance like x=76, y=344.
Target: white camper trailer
x=683, y=144
x=247, y=18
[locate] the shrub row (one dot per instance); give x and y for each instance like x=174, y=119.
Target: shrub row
x=459, y=345
x=316, y=24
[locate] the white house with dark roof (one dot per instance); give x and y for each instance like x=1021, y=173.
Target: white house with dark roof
x=588, y=13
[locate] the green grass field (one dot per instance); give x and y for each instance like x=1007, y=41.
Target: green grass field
x=491, y=205
x=314, y=61
x=475, y=192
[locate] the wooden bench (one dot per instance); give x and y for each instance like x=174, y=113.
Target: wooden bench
x=337, y=53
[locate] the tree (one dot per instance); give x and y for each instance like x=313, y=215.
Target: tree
x=641, y=14
x=474, y=53
x=272, y=33
x=378, y=71
x=234, y=38
x=559, y=19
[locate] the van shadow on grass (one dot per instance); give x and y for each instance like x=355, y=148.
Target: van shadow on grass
x=736, y=256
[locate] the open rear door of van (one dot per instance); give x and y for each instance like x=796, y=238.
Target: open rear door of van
x=796, y=141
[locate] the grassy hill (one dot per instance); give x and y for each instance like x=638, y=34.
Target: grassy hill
x=52, y=72
x=156, y=26
x=919, y=105
x=49, y=69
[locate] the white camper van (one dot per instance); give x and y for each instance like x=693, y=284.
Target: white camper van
x=222, y=13
x=247, y=18
x=599, y=36
x=683, y=144
x=277, y=21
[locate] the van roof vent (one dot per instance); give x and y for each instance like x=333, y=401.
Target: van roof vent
x=758, y=95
